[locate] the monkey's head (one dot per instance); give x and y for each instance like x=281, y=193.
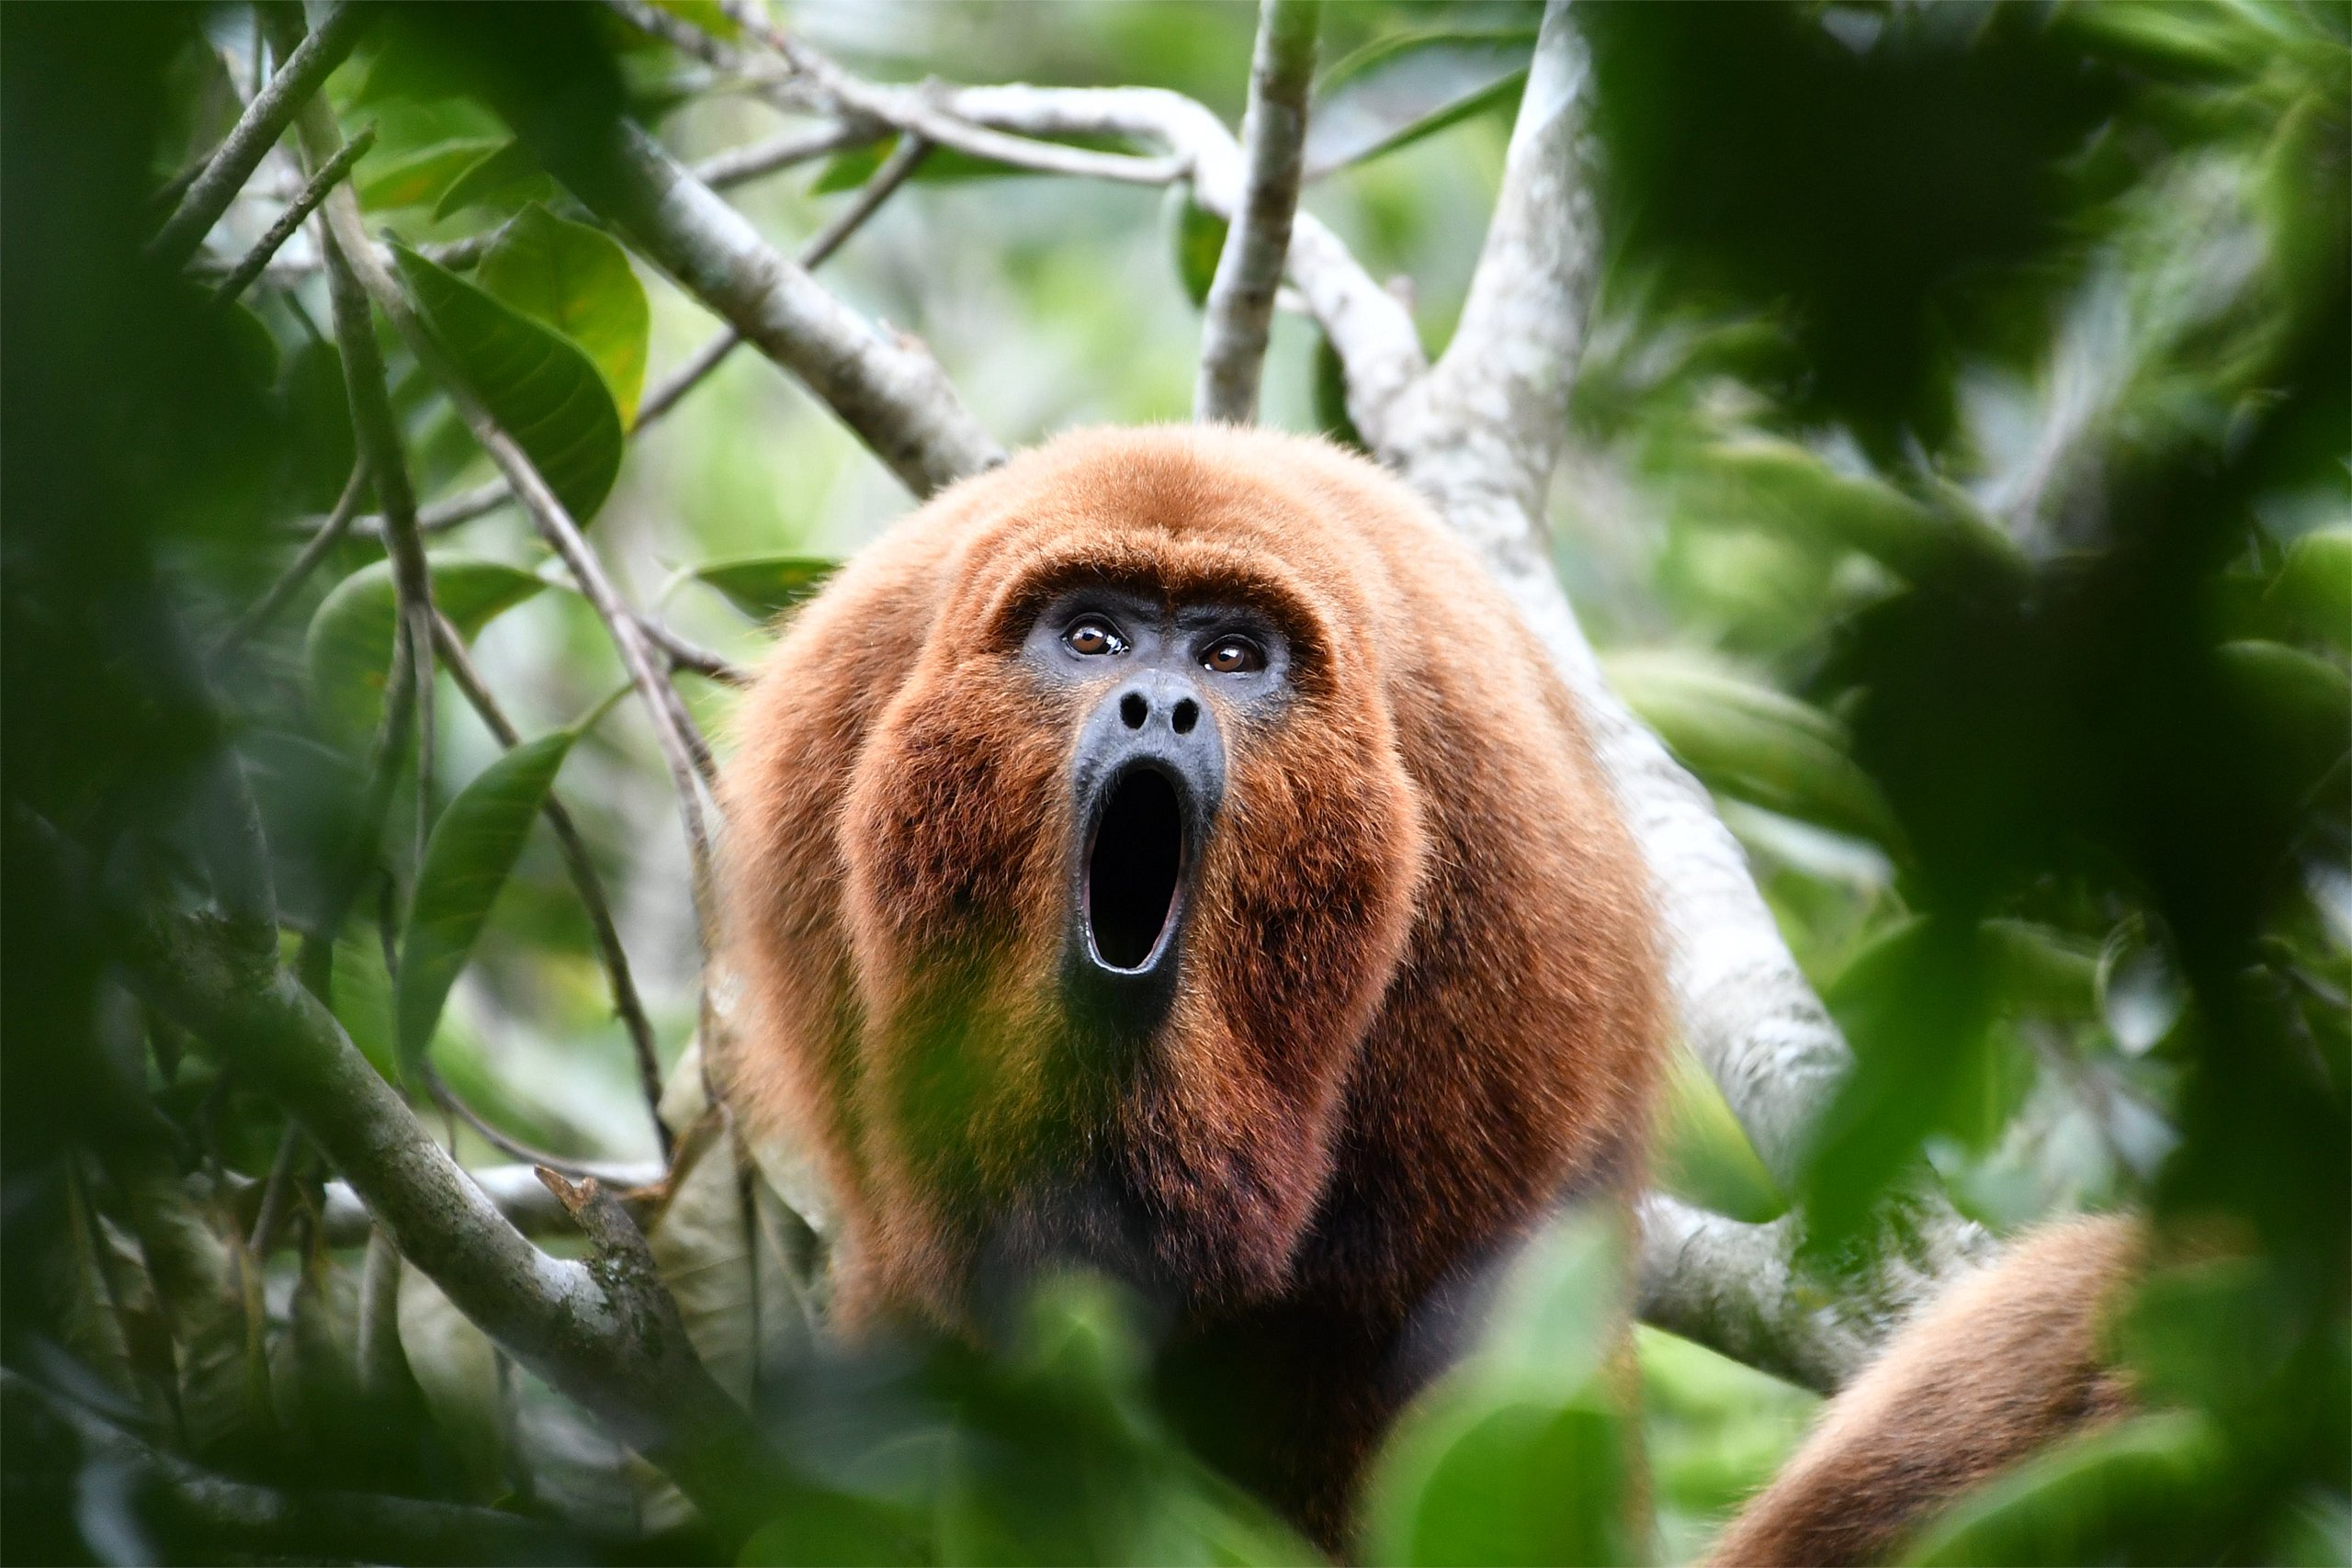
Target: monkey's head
x=1126, y=857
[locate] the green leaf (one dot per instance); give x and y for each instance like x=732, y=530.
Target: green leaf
x=1394, y=91
x=1752, y=742
x=1703, y=1153
x=473, y=848
x=419, y=178
x=2130, y=1494
x=349, y=647
x=1793, y=490
x=1520, y=1455
x=503, y=177
x=2313, y=592
x=1195, y=239
x=542, y=389
x=763, y=587
x=708, y=14
x=577, y=280
x=943, y=165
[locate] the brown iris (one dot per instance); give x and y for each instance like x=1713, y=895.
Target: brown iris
x=1092, y=636
x=1233, y=656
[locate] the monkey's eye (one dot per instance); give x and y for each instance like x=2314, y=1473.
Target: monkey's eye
x=1090, y=637
x=1233, y=656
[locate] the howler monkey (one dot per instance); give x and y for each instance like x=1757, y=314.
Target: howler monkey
x=1168, y=852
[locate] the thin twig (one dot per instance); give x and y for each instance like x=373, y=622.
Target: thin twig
x=256, y=131
x=314, y=550
x=450, y=1101
x=1273, y=141
x=739, y=166
x=904, y=159
x=684, y=655
x=240, y=276
x=686, y=378
x=626, y=1005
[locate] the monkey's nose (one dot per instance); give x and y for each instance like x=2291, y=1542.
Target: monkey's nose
x=1148, y=776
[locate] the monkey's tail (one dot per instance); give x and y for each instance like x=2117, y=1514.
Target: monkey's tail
x=2009, y=1360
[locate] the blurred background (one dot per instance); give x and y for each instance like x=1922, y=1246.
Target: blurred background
x=1957, y=481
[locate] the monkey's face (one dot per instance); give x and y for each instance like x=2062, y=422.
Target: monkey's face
x=1131, y=862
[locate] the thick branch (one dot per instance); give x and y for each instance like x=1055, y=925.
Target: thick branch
x=1273, y=138
x=256, y=131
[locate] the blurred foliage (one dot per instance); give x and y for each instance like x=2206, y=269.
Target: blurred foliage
x=1958, y=485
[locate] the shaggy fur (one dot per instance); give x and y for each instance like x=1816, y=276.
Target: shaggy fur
x=2009, y=1360
x=1420, y=999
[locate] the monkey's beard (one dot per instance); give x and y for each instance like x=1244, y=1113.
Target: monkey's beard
x=1026, y=1143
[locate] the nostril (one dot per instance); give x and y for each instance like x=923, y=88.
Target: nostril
x=1133, y=710
x=1187, y=713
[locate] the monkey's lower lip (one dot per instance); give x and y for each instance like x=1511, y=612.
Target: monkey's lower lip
x=1134, y=872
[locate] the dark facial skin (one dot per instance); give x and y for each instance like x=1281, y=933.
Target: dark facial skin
x=1148, y=776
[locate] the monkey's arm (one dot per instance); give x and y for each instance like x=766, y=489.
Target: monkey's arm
x=2008, y=1361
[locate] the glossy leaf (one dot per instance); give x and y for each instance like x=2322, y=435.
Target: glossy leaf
x=1396, y=90
x=576, y=280
x=420, y=179
x=763, y=587
x=348, y=650
x=466, y=861
x=1747, y=740
x=541, y=388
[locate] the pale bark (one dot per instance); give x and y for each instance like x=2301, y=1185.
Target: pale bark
x=1273, y=139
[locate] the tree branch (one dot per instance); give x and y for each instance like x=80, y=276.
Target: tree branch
x=256, y=131
x=559, y=1319
x=739, y=166
x=241, y=276
x=1273, y=138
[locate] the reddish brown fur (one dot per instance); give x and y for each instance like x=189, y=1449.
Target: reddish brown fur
x=1421, y=999
x=2009, y=1360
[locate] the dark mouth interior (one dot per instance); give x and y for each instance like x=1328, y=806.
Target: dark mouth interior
x=1131, y=877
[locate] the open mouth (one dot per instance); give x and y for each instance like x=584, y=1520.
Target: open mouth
x=1135, y=871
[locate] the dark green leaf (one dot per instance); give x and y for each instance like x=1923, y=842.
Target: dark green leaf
x=1195, y=238
x=763, y=587
x=349, y=647
x=542, y=389
x=578, y=281
x=473, y=847
x=2139, y=1482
